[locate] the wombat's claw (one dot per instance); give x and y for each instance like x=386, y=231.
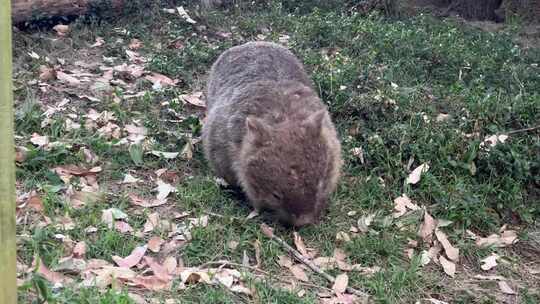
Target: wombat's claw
x=252, y=214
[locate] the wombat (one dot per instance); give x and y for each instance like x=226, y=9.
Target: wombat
x=268, y=132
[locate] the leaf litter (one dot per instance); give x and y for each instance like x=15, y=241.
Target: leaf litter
x=109, y=128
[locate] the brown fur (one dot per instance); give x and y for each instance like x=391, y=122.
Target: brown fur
x=269, y=133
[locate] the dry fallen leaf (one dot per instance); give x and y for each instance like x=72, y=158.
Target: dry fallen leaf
x=159, y=270
x=139, y=201
x=162, y=80
x=442, y=117
x=133, y=259
x=133, y=129
x=298, y=273
x=70, y=265
x=505, y=288
x=232, y=244
x=167, y=155
x=325, y=263
x=152, y=222
x=135, y=44
x=122, y=227
x=90, y=229
x=240, y=289
x=128, y=72
x=79, y=199
x=68, y=79
x=129, y=179
x=79, y=250
x=425, y=258
x=342, y=298
x=340, y=284
x=489, y=277
x=451, y=252
x=152, y=283
x=365, y=221
x=299, y=243
x=366, y=270
x=427, y=227
x=61, y=29
x=489, y=262
x=199, y=222
x=359, y=152
x=65, y=223
x=170, y=264
x=99, y=42
x=51, y=276
x=225, y=279
x=435, y=301
x=105, y=274
x=135, y=57
x=20, y=154
x=508, y=237
x=108, y=216
x=449, y=267
x=39, y=140
x=401, y=204
x=46, y=73
x=193, y=275
x=154, y=243
x=415, y=175
x=343, y=237
x=182, y=12
x=187, y=150
x=137, y=299
x=35, y=202
x=33, y=55
x=409, y=252
x=434, y=251
x=493, y=140
x=269, y=232
x=284, y=261
x=164, y=189
x=194, y=99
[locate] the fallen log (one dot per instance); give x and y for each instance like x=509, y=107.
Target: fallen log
x=28, y=10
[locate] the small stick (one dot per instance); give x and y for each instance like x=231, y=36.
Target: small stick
x=523, y=130
x=227, y=263
x=269, y=233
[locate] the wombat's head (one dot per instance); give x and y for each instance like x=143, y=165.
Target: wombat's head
x=290, y=167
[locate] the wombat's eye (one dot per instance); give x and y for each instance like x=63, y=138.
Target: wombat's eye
x=276, y=195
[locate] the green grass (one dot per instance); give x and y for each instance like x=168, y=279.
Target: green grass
x=385, y=82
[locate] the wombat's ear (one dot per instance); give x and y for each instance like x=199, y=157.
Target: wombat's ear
x=314, y=122
x=258, y=130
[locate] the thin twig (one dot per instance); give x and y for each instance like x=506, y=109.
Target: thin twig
x=523, y=130
x=227, y=263
x=222, y=216
x=269, y=233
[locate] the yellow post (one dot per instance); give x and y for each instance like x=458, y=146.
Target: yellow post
x=8, y=269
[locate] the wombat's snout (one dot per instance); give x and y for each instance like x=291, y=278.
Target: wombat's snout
x=298, y=221
x=305, y=221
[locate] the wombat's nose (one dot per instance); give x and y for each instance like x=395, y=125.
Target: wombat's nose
x=304, y=220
